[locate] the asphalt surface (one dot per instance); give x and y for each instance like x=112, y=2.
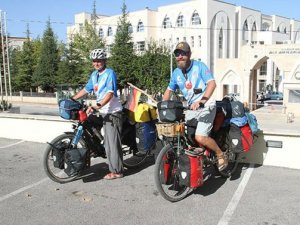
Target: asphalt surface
x=255, y=195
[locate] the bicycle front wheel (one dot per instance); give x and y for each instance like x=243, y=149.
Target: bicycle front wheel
x=166, y=175
x=56, y=171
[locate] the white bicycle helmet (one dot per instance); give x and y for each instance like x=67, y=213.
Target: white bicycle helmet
x=98, y=53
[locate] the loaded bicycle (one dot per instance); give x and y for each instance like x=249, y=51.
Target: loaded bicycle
x=182, y=165
x=69, y=155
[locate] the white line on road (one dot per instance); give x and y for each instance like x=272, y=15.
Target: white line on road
x=22, y=189
x=7, y=146
x=236, y=197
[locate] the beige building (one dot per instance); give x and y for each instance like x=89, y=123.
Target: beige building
x=247, y=50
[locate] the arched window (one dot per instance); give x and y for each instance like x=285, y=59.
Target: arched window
x=167, y=22
x=180, y=21
x=245, y=27
x=195, y=18
x=109, y=32
x=254, y=27
x=101, y=33
x=265, y=26
x=245, y=31
x=140, y=27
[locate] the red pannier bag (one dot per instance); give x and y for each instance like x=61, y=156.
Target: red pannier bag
x=190, y=171
x=247, y=137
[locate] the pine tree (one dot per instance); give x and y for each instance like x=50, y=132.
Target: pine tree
x=46, y=70
x=122, y=52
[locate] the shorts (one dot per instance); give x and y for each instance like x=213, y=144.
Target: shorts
x=205, y=117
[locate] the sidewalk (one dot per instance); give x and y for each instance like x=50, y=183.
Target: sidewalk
x=272, y=124
x=271, y=120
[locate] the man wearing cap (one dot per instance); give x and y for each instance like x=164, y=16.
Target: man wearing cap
x=191, y=75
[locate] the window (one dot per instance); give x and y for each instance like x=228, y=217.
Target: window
x=140, y=46
x=199, y=41
x=180, y=21
x=265, y=27
x=109, y=32
x=130, y=28
x=196, y=19
x=263, y=69
x=221, y=44
x=167, y=23
x=101, y=33
x=140, y=27
x=192, y=41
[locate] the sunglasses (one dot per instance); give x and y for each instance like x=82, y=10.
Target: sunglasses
x=182, y=53
x=98, y=60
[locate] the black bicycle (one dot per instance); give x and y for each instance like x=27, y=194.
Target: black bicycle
x=69, y=154
x=170, y=174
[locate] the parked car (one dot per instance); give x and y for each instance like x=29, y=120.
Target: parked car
x=260, y=95
x=276, y=95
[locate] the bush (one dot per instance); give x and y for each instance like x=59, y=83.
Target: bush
x=5, y=105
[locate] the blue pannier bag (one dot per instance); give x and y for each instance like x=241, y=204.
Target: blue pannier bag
x=68, y=109
x=145, y=135
x=252, y=121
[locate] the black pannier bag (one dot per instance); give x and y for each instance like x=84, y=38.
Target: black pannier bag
x=170, y=111
x=233, y=109
x=58, y=154
x=75, y=160
x=191, y=126
x=235, y=135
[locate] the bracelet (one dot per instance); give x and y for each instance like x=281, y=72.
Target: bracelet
x=99, y=104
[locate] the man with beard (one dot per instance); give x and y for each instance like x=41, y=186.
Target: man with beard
x=190, y=75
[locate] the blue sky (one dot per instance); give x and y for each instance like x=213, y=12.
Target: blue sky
x=61, y=12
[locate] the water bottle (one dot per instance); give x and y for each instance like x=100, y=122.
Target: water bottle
x=78, y=135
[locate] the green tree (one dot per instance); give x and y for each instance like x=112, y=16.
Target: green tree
x=83, y=43
x=122, y=52
x=153, y=68
x=70, y=69
x=25, y=62
x=46, y=70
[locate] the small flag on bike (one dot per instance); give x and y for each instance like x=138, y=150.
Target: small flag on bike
x=133, y=100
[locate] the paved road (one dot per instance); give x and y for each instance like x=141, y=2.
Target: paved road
x=259, y=195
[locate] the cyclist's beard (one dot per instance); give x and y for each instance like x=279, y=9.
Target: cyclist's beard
x=183, y=64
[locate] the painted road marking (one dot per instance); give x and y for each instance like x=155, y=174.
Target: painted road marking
x=236, y=197
x=7, y=146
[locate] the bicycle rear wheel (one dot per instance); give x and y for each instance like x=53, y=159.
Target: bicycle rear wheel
x=232, y=164
x=132, y=158
x=166, y=175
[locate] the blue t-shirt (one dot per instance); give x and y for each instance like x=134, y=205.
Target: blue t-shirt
x=197, y=76
x=101, y=84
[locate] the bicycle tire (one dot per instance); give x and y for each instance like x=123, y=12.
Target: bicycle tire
x=132, y=158
x=170, y=190
x=56, y=174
